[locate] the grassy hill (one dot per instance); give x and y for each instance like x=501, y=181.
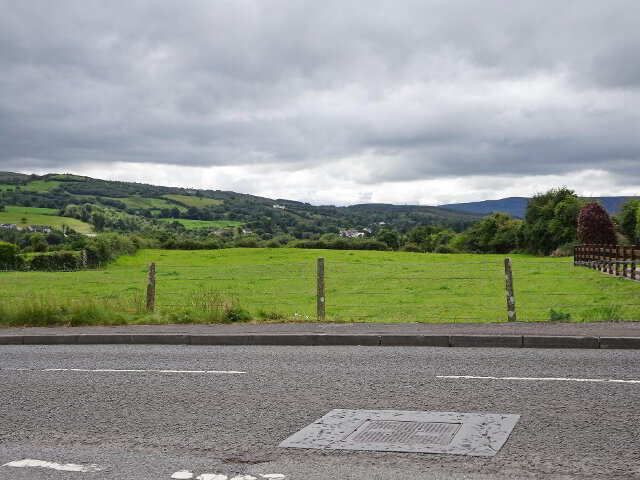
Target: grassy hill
x=26, y=216
x=217, y=208
x=193, y=201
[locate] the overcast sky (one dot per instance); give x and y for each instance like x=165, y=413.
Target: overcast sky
x=338, y=102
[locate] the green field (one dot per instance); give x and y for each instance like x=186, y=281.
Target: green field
x=41, y=216
x=40, y=186
x=189, y=224
x=138, y=202
x=68, y=176
x=279, y=285
x=190, y=201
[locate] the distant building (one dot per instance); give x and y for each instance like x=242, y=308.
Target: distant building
x=368, y=230
x=9, y=225
x=351, y=233
x=281, y=207
x=247, y=231
x=40, y=228
x=381, y=223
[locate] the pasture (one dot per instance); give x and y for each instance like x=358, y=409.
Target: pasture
x=190, y=201
x=41, y=186
x=280, y=285
x=154, y=204
x=25, y=216
x=189, y=224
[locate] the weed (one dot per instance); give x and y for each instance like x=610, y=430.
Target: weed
x=605, y=313
x=557, y=316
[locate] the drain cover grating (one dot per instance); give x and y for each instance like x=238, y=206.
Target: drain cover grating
x=388, y=431
x=478, y=434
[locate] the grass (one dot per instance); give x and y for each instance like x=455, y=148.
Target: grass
x=41, y=216
x=32, y=210
x=4, y=187
x=68, y=176
x=41, y=186
x=190, y=201
x=279, y=285
x=189, y=224
x=138, y=202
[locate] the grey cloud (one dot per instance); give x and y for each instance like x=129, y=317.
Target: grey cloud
x=415, y=85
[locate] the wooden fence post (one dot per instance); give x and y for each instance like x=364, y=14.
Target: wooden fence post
x=151, y=287
x=633, y=261
x=610, y=259
x=84, y=258
x=320, y=289
x=624, y=261
x=600, y=250
x=511, y=298
x=617, y=261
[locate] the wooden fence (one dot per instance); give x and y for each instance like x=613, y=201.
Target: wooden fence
x=611, y=259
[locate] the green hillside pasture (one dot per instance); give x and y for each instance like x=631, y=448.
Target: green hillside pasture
x=41, y=186
x=68, y=177
x=138, y=202
x=279, y=285
x=190, y=224
x=31, y=210
x=42, y=216
x=190, y=201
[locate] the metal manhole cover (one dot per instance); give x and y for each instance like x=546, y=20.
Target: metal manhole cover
x=477, y=434
x=388, y=431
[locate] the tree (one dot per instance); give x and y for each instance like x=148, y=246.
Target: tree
x=497, y=233
x=550, y=220
x=390, y=238
x=8, y=255
x=629, y=220
x=595, y=225
x=38, y=243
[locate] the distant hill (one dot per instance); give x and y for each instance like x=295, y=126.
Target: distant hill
x=516, y=206
x=153, y=202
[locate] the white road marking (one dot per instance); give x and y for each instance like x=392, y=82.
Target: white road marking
x=63, y=467
x=182, y=474
x=219, y=476
x=116, y=370
x=540, y=379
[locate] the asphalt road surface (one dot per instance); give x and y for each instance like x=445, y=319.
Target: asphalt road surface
x=157, y=412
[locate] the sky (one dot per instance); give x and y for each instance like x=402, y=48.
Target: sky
x=328, y=102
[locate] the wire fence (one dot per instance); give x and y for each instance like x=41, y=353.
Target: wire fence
x=545, y=289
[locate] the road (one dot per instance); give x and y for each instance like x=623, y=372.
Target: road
x=153, y=412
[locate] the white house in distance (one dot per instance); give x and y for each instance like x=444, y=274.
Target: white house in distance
x=280, y=207
x=351, y=233
x=10, y=226
x=40, y=228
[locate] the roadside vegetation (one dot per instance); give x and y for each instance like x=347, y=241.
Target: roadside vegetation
x=224, y=256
